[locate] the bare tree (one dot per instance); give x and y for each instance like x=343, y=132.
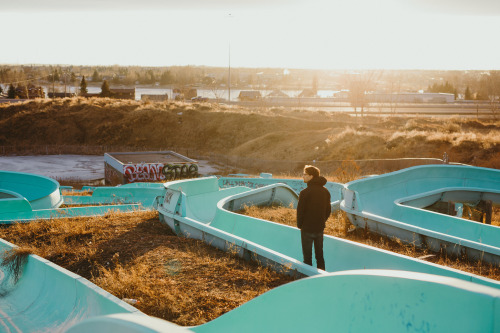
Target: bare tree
x=359, y=84
x=393, y=83
x=490, y=87
x=216, y=89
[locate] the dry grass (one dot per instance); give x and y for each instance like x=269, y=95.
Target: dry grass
x=264, y=139
x=13, y=260
x=339, y=226
x=82, y=193
x=135, y=256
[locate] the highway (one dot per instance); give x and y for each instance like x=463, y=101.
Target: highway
x=481, y=110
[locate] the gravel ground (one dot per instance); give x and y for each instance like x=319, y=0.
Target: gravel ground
x=78, y=167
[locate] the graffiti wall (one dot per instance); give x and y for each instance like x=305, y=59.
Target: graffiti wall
x=143, y=172
x=112, y=176
x=157, y=172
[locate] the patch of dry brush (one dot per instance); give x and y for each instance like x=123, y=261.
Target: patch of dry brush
x=262, y=134
x=135, y=256
x=339, y=226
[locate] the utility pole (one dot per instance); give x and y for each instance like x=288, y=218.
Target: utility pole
x=229, y=76
x=229, y=62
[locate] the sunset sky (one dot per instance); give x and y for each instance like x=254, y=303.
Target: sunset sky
x=319, y=34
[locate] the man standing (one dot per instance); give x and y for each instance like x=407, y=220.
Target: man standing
x=313, y=210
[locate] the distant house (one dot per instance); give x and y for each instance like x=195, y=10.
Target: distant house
x=409, y=97
x=154, y=98
x=177, y=94
x=249, y=95
x=343, y=94
x=118, y=93
x=186, y=93
x=277, y=93
x=123, y=93
x=308, y=93
x=60, y=94
x=90, y=95
x=30, y=92
x=191, y=93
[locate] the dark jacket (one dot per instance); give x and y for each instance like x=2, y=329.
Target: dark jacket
x=314, y=206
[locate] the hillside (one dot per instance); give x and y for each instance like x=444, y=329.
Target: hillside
x=259, y=134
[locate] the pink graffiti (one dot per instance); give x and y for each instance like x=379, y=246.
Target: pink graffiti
x=143, y=172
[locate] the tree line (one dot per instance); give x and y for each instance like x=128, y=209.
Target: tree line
x=468, y=85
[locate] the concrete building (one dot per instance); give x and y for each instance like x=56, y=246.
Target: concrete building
x=123, y=93
x=249, y=95
x=151, y=166
x=154, y=98
x=410, y=98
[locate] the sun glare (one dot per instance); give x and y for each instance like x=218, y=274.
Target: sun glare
x=316, y=34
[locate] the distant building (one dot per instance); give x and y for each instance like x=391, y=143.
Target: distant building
x=90, y=95
x=123, y=93
x=30, y=92
x=308, y=93
x=343, y=94
x=185, y=93
x=154, y=98
x=277, y=93
x=177, y=94
x=411, y=97
x=118, y=93
x=60, y=94
x=249, y=95
x=151, y=166
x=192, y=92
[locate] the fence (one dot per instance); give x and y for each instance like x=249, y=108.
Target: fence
x=231, y=164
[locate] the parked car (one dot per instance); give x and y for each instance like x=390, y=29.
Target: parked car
x=199, y=99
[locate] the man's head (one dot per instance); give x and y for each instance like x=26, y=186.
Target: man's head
x=309, y=173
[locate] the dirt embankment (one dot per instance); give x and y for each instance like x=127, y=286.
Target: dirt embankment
x=272, y=134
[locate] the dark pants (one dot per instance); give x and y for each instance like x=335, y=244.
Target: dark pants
x=307, y=242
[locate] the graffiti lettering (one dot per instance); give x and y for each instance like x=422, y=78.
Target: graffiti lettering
x=155, y=172
x=176, y=171
x=168, y=197
x=296, y=185
x=143, y=172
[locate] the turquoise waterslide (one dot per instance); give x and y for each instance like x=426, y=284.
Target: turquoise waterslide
x=200, y=209
x=363, y=289
x=134, y=193
x=27, y=197
x=393, y=204
x=48, y=298
x=297, y=185
x=350, y=301
x=18, y=190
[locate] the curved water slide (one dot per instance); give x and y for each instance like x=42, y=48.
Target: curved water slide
x=200, y=209
x=394, y=204
x=356, y=301
x=144, y=194
x=47, y=298
x=23, y=189
x=351, y=301
x=42, y=296
x=27, y=197
x=297, y=185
